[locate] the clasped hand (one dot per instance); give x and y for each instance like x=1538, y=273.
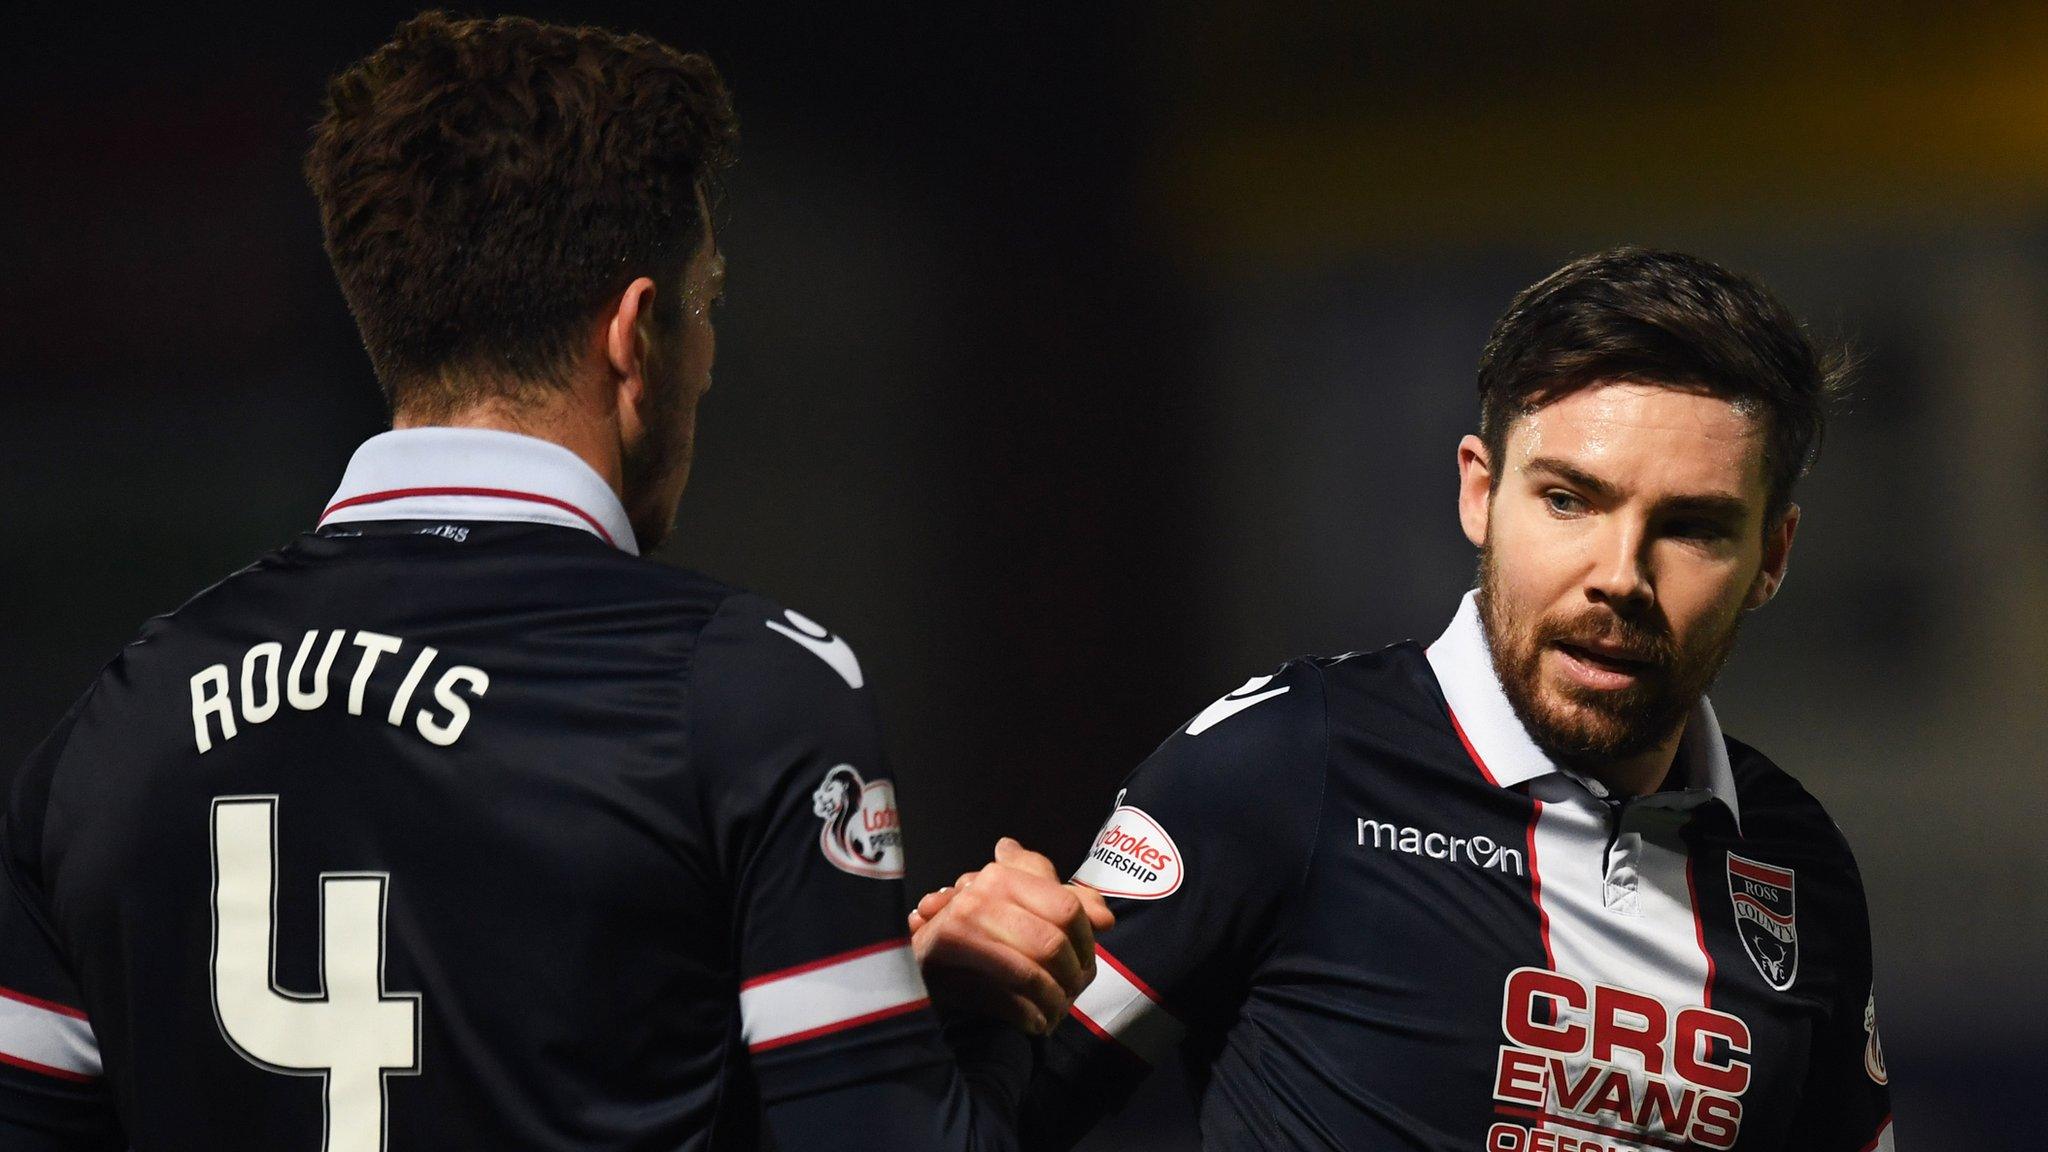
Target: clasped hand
x=1009, y=941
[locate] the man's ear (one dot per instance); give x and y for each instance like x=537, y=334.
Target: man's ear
x=1475, y=489
x=627, y=348
x=1777, y=560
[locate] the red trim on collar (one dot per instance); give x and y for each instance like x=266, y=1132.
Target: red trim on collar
x=1469, y=749
x=498, y=493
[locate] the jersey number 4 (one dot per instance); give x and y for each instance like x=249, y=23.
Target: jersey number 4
x=350, y=1032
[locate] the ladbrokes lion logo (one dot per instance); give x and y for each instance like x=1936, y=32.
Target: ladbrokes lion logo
x=862, y=833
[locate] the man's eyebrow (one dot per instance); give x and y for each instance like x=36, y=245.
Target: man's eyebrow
x=1570, y=474
x=1713, y=504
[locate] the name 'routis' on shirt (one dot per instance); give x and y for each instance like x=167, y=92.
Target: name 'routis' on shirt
x=265, y=685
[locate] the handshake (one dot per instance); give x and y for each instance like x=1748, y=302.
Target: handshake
x=1009, y=941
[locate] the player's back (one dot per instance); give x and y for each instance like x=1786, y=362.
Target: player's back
x=402, y=837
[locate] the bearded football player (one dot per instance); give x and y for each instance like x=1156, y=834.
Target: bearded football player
x=454, y=823
x=1514, y=890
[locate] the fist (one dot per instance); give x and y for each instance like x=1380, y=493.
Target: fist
x=1009, y=941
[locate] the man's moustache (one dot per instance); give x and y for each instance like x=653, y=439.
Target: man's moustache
x=1638, y=648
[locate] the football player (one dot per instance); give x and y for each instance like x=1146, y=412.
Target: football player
x=453, y=823
x=1515, y=889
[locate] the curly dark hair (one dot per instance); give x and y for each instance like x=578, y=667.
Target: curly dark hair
x=486, y=186
x=1663, y=318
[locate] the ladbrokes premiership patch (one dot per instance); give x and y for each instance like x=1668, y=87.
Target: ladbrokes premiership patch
x=1132, y=857
x=1763, y=918
x=1873, y=1050
x=862, y=833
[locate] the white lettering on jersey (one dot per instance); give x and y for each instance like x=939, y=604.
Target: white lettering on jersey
x=447, y=733
x=215, y=703
x=1245, y=696
x=373, y=644
x=351, y=1032
x=1481, y=851
x=258, y=708
x=305, y=700
x=820, y=642
x=410, y=685
x=863, y=834
x=1132, y=857
x=210, y=698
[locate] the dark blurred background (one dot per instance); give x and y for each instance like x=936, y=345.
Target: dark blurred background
x=1081, y=363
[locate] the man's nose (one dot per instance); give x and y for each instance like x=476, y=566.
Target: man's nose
x=1620, y=572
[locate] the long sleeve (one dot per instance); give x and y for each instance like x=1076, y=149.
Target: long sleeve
x=52, y=1098
x=1199, y=859
x=1846, y=1105
x=833, y=1009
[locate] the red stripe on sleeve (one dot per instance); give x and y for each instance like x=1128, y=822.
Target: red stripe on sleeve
x=1102, y=953
x=826, y=962
x=838, y=1026
x=45, y=1005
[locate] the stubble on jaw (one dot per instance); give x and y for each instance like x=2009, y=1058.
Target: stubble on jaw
x=1590, y=727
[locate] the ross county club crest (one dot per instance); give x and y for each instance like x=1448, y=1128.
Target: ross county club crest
x=1763, y=918
x=862, y=833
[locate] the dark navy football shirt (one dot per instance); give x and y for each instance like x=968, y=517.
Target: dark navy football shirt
x=1371, y=913
x=456, y=825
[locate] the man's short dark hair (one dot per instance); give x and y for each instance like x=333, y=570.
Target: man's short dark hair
x=1661, y=318
x=486, y=186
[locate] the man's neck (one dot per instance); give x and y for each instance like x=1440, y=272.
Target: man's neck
x=594, y=441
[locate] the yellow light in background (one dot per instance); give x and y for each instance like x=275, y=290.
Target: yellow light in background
x=1753, y=124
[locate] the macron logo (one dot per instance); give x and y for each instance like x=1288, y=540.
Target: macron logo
x=1480, y=851
x=1246, y=696
x=833, y=650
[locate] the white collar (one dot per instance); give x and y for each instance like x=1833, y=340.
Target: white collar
x=1505, y=751
x=477, y=474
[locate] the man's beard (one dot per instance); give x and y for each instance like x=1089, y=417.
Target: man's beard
x=1591, y=726
x=648, y=469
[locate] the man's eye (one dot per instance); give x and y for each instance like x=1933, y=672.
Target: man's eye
x=1564, y=503
x=1702, y=530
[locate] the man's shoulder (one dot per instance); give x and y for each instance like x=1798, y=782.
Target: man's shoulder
x=753, y=636
x=1387, y=704
x=429, y=566
x=1238, y=783
x=1292, y=707
x=1283, y=705
x=1396, y=676
x=1779, y=814
x=544, y=601
x=771, y=694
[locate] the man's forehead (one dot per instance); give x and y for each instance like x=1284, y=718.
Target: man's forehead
x=1654, y=433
